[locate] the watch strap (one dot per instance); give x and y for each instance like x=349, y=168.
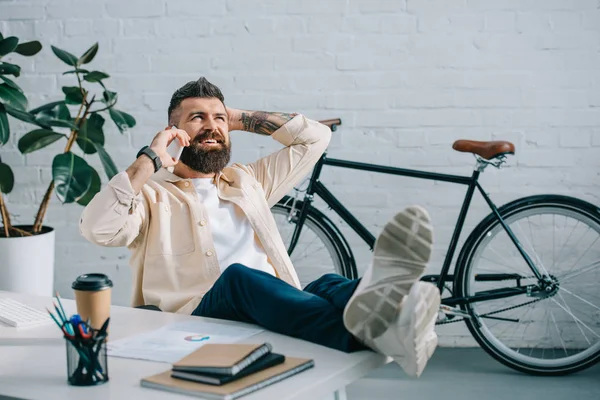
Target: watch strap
x=146, y=150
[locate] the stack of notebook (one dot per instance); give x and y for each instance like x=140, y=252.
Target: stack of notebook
x=227, y=371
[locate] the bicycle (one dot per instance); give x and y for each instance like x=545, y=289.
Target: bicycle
x=499, y=281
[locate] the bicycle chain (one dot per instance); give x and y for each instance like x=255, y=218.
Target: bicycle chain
x=491, y=313
x=451, y=321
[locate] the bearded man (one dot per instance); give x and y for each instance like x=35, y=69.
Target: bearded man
x=204, y=242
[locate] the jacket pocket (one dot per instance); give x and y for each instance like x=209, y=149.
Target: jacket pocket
x=170, y=231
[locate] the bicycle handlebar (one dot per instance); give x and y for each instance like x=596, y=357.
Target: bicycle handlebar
x=332, y=123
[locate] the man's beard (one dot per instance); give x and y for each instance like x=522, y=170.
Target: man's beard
x=206, y=160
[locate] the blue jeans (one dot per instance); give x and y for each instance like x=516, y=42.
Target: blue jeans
x=313, y=314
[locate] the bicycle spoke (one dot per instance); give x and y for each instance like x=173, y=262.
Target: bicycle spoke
x=575, y=318
x=500, y=256
x=305, y=253
x=553, y=242
x=571, y=313
x=496, y=262
x=567, y=241
x=579, y=297
x=534, y=252
x=559, y=334
x=566, y=278
x=307, y=246
x=532, y=238
x=583, y=255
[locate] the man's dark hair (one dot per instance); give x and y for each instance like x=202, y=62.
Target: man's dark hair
x=200, y=88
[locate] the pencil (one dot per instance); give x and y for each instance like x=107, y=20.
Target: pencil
x=55, y=320
x=61, y=307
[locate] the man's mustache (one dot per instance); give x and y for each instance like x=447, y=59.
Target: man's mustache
x=209, y=135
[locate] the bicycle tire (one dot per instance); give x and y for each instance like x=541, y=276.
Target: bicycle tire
x=330, y=233
x=465, y=264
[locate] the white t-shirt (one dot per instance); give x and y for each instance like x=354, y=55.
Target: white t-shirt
x=232, y=233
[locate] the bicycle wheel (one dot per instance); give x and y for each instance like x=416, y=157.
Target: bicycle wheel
x=554, y=328
x=321, y=248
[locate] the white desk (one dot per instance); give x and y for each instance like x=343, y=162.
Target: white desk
x=33, y=361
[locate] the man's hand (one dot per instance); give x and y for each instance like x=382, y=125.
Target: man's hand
x=163, y=139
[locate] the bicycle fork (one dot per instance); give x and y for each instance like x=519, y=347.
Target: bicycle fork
x=308, y=200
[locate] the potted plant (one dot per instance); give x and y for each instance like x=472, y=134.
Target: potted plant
x=27, y=251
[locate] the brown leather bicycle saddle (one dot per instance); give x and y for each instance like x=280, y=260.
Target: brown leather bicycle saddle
x=487, y=150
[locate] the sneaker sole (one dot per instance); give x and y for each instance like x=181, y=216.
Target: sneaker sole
x=401, y=252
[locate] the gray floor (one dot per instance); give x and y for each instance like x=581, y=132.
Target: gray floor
x=462, y=374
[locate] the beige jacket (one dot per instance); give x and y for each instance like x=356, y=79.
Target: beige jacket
x=166, y=226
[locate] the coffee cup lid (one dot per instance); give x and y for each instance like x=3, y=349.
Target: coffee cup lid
x=92, y=282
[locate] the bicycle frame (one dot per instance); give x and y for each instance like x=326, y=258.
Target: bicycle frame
x=315, y=187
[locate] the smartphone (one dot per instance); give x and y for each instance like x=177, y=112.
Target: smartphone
x=175, y=148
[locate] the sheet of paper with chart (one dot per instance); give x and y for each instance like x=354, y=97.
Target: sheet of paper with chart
x=173, y=342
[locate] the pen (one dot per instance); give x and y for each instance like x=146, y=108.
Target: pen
x=104, y=327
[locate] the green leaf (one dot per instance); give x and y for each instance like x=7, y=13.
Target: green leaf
x=11, y=83
x=59, y=123
x=13, y=97
x=29, y=48
x=109, y=97
x=65, y=56
x=73, y=94
x=57, y=110
x=93, y=189
x=1, y=37
x=8, y=45
x=10, y=69
x=47, y=107
x=22, y=115
x=72, y=177
x=109, y=166
x=4, y=128
x=37, y=139
x=121, y=119
x=90, y=133
x=95, y=76
x=88, y=55
x=74, y=71
x=7, y=179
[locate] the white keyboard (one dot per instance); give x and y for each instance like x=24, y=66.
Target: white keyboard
x=19, y=315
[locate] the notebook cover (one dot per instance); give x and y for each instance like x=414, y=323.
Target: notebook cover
x=232, y=390
x=265, y=362
x=226, y=359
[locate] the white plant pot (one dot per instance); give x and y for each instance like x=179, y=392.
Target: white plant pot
x=27, y=263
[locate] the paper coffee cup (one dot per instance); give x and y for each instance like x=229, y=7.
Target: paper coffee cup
x=92, y=296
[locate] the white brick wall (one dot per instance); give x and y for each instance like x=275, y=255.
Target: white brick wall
x=408, y=77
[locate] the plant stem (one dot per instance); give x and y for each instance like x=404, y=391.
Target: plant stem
x=37, y=226
x=106, y=108
x=20, y=231
x=79, y=111
x=5, y=216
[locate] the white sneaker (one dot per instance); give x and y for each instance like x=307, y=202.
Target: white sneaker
x=412, y=340
x=400, y=256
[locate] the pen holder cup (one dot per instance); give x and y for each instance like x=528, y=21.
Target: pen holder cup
x=87, y=363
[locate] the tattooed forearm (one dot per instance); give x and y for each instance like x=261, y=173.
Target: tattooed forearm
x=264, y=123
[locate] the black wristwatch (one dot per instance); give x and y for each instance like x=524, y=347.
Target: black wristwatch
x=153, y=156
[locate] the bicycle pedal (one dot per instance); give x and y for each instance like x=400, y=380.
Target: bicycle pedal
x=453, y=311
